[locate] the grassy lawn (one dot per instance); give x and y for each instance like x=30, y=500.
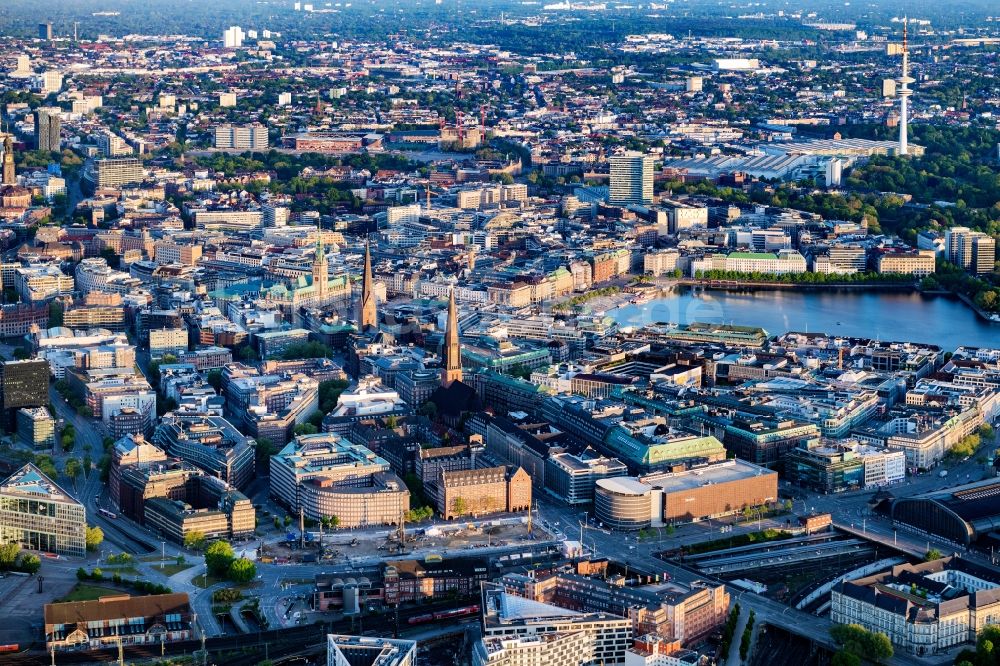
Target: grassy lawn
x=207, y=581
x=150, y=558
x=171, y=569
x=87, y=592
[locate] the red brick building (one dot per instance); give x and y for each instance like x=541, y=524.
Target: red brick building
x=483, y=491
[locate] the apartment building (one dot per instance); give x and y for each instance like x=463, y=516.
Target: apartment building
x=241, y=137
x=112, y=145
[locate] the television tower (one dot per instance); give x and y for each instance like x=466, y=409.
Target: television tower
x=903, y=92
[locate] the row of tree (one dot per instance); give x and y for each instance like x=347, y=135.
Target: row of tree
x=983, y=290
x=747, y=638
x=12, y=559
x=807, y=277
x=987, y=652
x=221, y=562
x=144, y=586
x=858, y=643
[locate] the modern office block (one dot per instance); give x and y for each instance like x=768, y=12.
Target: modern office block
x=38, y=514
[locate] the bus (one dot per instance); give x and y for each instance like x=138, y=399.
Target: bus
x=107, y=514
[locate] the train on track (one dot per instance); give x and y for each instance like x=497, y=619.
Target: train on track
x=464, y=611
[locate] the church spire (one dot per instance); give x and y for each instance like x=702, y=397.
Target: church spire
x=367, y=315
x=8, y=162
x=320, y=272
x=452, y=349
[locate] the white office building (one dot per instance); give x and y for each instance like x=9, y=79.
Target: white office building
x=403, y=214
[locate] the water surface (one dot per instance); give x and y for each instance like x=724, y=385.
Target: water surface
x=939, y=320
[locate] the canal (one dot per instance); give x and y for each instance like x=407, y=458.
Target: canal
x=939, y=320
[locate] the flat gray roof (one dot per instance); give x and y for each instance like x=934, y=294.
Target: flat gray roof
x=722, y=472
x=625, y=485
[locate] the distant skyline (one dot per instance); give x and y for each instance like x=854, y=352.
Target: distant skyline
x=204, y=19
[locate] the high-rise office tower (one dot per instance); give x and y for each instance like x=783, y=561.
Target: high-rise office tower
x=452, y=370
x=984, y=254
x=631, y=179
x=367, y=316
x=972, y=250
x=44, y=31
x=22, y=384
x=47, y=129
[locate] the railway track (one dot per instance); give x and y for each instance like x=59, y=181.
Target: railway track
x=278, y=645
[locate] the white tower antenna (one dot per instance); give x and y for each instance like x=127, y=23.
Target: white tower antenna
x=904, y=92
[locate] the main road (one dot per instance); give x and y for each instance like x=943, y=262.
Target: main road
x=851, y=513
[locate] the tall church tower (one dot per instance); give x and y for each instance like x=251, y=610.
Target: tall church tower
x=367, y=315
x=452, y=371
x=8, y=162
x=320, y=272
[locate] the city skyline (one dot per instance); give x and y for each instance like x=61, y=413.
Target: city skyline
x=499, y=334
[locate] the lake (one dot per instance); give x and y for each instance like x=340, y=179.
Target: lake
x=939, y=320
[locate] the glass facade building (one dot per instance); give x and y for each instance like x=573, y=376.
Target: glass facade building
x=39, y=515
